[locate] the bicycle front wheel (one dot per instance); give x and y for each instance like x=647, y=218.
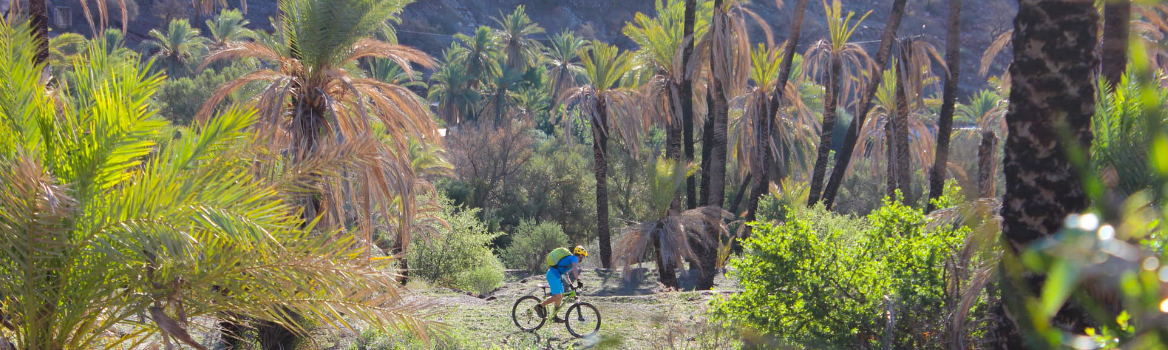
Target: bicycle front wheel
x=583, y=320
x=524, y=315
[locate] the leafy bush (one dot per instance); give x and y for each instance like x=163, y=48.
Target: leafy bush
x=824, y=280
x=1119, y=152
x=530, y=244
x=483, y=278
x=452, y=254
x=178, y=100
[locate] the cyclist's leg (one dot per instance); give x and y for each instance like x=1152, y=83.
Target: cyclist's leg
x=556, y=288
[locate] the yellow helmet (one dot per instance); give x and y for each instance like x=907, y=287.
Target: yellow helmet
x=579, y=250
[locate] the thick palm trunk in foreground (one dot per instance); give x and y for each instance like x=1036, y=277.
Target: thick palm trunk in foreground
x=1051, y=103
x=948, y=100
x=845, y=156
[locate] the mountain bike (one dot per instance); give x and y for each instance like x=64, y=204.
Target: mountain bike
x=582, y=319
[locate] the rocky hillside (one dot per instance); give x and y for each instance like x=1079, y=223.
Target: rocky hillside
x=430, y=24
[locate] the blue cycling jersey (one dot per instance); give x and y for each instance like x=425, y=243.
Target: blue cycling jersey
x=565, y=264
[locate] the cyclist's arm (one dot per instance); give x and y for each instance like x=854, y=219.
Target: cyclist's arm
x=575, y=271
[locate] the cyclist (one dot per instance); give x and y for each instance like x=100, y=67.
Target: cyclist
x=554, y=276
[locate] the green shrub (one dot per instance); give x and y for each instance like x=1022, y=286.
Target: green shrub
x=530, y=244
x=450, y=253
x=178, y=100
x=823, y=280
x=483, y=278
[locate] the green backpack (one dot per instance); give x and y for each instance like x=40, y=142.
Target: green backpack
x=559, y=253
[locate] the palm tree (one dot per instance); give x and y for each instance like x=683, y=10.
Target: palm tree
x=164, y=218
x=387, y=71
x=561, y=58
x=830, y=55
x=764, y=125
x=498, y=93
x=520, y=52
x=879, y=145
x=314, y=110
x=178, y=47
x=669, y=231
x=449, y=87
x=661, y=39
x=725, y=53
x=987, y=110
x=865, y=105
x=1051, y=103
x=513, y=37
x=64, y=47
x=608, y=109
x=476, y=53
x=784, y=139
x=228, y=26
x=314, y=103
x=948, y=100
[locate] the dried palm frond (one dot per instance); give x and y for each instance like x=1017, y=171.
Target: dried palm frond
x=672, y=234
x=991, y=52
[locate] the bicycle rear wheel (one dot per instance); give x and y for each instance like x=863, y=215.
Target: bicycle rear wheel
x=583, y=320
x=524, y=316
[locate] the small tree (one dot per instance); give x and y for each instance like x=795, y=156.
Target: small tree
x=670, y=231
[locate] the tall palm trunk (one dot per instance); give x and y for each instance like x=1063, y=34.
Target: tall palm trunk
x=899, y=136
x=1051, y=103
x=674, y=127
x=707, y=140
x=720, y=111
x=831, y=101
x=986, y=164
x=948, y=100
x=600, y=155
x=845, y=156
x=764, y=126
x=555, y=103
x=38, y=18
x=890, y=184
x=685, y=95
x=500, y=104
x=673, y=151
x=1116, y=24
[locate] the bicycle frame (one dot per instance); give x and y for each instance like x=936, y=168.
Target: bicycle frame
x=570, y=296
